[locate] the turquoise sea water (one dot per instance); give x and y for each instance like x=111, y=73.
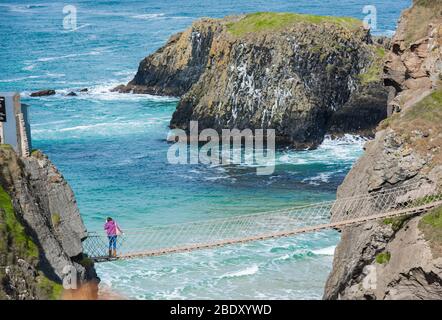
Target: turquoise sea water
x=112, y=149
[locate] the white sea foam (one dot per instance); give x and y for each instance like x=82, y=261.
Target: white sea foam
x=78, y=27
x=100, y=92
x=26, y=8
x=241, y=273
x=323, y=177
x=148, y=16
x=331, y=151
x=329, y=251
x=20, y=79
x=29, y=67
x=72, y=55
x=103, y=92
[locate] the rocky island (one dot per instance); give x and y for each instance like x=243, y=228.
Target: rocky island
x=302, y=75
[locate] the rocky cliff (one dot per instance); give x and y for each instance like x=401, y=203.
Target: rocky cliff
x=400, y=258
x=41, y=230
x=301, y=75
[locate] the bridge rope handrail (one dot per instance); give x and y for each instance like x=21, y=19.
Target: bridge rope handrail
x=262, y=213
x=212, y=232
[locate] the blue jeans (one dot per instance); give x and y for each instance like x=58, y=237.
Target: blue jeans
x=112, y=242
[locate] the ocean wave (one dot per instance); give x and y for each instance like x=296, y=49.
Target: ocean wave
x=78, y=27
x=25, y=8
x=148, y=16
x=72, y=55
x=109, y=128
x=241, y=273
x=47, y=75
x=29, y=67
x=102, y=92
x=20, y=79
x=323, y=177
x=344, y=140
x=328, y=251
x=332, y=151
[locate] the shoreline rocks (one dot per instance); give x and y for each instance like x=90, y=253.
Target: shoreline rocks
x=43, y=93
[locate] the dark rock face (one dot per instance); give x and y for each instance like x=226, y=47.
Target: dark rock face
x=361, y=113
x=43, y=93
x=72, y=94
x=292, y=79
x=45, y=207
x=174, y=68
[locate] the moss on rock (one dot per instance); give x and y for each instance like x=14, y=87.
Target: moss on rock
x=16, y=245
x=13, y=229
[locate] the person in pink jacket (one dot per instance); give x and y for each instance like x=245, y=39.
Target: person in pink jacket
x=112, y=231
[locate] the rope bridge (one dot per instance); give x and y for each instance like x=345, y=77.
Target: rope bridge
x=170, y=238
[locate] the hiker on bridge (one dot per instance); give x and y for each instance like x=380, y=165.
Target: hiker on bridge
x=113, y=231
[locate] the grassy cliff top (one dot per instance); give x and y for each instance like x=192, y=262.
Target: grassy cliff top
x=264, y=21
x=428, y=3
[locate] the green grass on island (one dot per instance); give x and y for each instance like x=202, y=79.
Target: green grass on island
x=264, y=21
x=375, y=70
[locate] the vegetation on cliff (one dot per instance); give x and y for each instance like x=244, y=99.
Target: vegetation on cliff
x=374, y=71
x=40, y=229
x=418, y=17
x=16, y=244
x=272, y=21
x=420, y=126
x=431, y=226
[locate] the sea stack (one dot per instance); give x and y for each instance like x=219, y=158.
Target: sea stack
x=302, y=75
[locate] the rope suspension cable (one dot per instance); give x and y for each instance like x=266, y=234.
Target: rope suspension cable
x=163, y=239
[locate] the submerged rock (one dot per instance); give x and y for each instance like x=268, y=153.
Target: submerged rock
x=71, y=94
x=287, y=72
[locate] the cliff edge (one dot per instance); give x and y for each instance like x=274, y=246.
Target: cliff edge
x=399, y=258
x=41, y=230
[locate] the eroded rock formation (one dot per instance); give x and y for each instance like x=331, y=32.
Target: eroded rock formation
x=305, y=77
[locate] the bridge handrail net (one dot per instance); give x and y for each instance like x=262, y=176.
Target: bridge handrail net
x=167, y=237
